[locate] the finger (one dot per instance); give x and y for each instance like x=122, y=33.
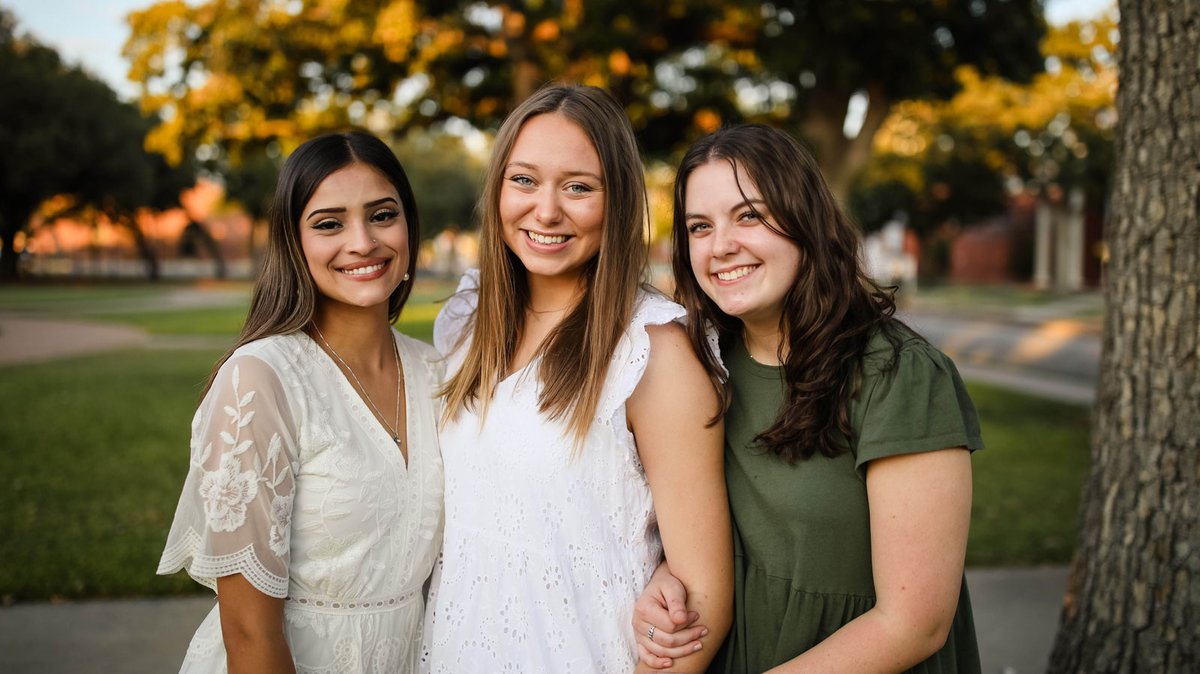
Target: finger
x=676, y=599
x=651, y=660
x=676, y=645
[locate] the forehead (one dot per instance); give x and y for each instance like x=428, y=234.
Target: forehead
x=715, y=183
x=551, y=140
x=353, y=181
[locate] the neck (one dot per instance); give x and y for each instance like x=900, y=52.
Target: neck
x=763, y=344
x=553, y=295
x=359, y=335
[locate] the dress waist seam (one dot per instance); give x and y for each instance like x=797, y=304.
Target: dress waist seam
x=319, y=604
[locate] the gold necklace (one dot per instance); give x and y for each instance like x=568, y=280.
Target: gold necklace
x=393, y=432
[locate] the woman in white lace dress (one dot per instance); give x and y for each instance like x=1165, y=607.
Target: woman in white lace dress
x=577, y=424
x=313, y=500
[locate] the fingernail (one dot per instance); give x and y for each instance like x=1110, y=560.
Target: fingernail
x=697, y=647
x=704, y=632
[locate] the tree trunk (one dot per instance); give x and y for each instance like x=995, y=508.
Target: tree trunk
x=1133, y=598
x=841, y=158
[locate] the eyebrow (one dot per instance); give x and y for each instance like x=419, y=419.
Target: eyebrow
x=532, y=167
x=754, y=204
x=342, y=209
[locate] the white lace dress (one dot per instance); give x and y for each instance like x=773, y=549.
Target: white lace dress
x=544, y=553
x=294, y=484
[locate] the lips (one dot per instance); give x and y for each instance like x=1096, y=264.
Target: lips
x=546, y=239
x=363, y=268
x=735, y=273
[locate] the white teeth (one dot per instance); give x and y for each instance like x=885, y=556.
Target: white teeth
x=542, y=239
x=364, y=270
x=735, y=274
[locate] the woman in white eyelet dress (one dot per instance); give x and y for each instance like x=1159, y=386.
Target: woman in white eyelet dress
x=555, y=519
x=294, y=483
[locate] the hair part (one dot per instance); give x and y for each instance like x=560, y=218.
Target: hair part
x=284, y=298
x=832, y=305
x=575, y=356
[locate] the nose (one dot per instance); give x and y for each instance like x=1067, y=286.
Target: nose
x=725, y=240
x=361, y=241
x=548, y=210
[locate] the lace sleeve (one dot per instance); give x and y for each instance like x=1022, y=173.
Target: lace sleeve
x=235, y=513
x=454, y=320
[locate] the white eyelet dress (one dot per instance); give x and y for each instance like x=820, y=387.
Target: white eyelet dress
x=544, y=553
x=294, y=484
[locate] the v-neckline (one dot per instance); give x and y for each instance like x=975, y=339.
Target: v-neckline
x=378, y=428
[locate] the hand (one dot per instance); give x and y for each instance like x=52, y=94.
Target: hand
x=664, y=627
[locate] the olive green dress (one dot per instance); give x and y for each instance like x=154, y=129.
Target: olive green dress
x=802, y=540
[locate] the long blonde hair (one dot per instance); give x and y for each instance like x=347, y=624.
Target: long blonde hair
x=576, y=354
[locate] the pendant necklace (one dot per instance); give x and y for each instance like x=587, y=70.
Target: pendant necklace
x=394, y=432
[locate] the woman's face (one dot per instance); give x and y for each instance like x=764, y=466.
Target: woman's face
x=552, y=198
x=355, y=237
x=740, y=263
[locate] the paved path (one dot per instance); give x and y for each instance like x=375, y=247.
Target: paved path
x=1016, y=613
x=33, y=340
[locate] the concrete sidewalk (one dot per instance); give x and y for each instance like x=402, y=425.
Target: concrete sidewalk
x=1016, y=615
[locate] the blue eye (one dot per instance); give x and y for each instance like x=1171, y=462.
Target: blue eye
x=523, y=181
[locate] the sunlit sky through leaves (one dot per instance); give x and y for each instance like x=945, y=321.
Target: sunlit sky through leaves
x=92, y=32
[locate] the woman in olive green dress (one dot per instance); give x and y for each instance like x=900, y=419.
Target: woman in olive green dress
x=847, y=436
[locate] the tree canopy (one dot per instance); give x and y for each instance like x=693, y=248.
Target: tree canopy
x=957, y=159
x=225, y=77
x=64, y=133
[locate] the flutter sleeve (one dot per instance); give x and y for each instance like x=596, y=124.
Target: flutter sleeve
x=455, y=318
x=919, y=404
x=235, y=513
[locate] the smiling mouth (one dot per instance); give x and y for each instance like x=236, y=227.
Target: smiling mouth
x=362, y=271
x=546, y=240
x=735, y=274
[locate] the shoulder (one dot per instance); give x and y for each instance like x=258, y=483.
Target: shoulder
x=896, y=348
x=654, y=308
x=266, y=358
x=420, y=353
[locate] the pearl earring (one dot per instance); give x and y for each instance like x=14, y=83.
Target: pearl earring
x=406, y=277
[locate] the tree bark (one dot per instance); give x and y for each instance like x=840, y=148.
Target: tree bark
x=841, y=158
x=1133, y=598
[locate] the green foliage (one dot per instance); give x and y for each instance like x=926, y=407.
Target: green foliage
x=445, y=179
x=64, y=133
x=956, y=159
x=258, y=73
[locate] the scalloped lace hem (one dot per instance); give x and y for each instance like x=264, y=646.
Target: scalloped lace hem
x=206, y=569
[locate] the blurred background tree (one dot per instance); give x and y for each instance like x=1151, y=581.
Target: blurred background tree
x=962, y=158
x=225, y=77
x=64, y=134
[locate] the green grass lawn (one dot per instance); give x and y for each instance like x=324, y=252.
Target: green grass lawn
x=96, y=451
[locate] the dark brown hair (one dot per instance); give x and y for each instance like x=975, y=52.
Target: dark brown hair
x=830, y=312
x=576, y=354
x=285, y=295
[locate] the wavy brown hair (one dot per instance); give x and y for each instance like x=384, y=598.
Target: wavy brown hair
x=285, y=296
x=575, y=356
x=829, y=313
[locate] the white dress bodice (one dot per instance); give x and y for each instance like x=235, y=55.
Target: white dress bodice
x=294, y=484
x=546, y=546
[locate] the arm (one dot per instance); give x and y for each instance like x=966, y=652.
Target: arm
x=920, y=513
x=684, y=464
x=252, y=628
x=663, y=605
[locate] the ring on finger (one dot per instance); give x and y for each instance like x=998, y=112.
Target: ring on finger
x=650, y=633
